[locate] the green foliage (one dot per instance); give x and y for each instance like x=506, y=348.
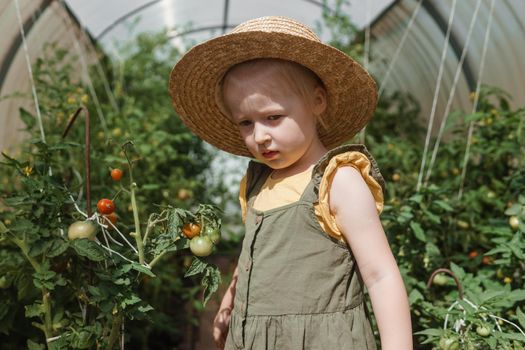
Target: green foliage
x=479, y=235
x=435, y=227
x=78, y=293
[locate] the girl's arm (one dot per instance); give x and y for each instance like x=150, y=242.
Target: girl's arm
x=229, y=296
x=353, y=206
x=221, y=322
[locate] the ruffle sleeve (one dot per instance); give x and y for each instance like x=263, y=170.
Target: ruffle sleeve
x=359, y=161
x=242, y=197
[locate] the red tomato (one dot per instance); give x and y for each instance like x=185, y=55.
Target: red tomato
x=106, y=206
x=116, y=174
x=191, y=230
x=110, y=218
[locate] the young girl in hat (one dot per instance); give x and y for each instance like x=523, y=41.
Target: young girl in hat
x=270, y=90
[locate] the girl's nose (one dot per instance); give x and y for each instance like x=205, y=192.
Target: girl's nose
x=261, y=134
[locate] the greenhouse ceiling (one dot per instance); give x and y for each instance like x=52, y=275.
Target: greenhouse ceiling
x=432, y=49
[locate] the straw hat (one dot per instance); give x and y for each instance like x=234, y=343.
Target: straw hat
x=195, y=81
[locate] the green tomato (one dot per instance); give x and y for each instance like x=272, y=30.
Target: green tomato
x=214, y=233
x=201, y=246
x=440, y=279
x=483, y=330
x=81, y=229
x=446, y=343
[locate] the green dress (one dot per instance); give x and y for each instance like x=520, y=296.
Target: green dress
x=297, y=288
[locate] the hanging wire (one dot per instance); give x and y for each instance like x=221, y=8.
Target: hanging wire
x=452, y=91
x=30, y=70
x=476, y=100
x=436, y=94
x=399, y=47
x=366, y=57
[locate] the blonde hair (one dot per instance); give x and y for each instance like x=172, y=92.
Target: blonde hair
x=301, y=80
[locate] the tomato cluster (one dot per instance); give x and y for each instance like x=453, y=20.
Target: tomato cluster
x=106, y=207
x=202, y=240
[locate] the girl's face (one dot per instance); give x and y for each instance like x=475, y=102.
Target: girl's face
x=277, y=125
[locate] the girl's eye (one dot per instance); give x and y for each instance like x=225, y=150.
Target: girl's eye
x=245, y=123
x=274, y=117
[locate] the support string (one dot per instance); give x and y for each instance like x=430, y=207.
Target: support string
x=476, y=100
x=436, y=94
x=398, y=49
x=29, y=68
x=91, y=88
x=452, y=91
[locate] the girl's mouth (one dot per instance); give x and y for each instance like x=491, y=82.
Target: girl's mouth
x=270, y=154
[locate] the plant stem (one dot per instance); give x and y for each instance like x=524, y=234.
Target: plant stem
x=25, y=250
x=137, y=235
x=156, y=259
x=133, y=187
x=115, y=330
x=48, y=323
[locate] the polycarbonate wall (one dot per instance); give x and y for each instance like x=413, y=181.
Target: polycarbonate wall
x=44, y=22
x=415, y=70
x=198, y=20
x=419, y=60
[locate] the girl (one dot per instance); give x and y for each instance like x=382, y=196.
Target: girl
x=272, y=91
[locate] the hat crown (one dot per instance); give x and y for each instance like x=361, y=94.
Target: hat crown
x=276, y=24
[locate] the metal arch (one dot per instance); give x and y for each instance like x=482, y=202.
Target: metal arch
x=454, y=42
x=225, y=24
x=124, y=17
x=202, y=29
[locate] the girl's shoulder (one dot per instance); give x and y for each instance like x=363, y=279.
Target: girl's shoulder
x=356, y=155
x=365, y=164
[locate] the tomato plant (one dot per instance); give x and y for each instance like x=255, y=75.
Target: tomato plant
x=174, y=160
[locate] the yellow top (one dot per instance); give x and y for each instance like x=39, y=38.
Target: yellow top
x=278, y=192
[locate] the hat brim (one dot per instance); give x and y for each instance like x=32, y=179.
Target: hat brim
x=195, y=81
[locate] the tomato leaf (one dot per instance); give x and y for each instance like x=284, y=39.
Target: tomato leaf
x=28, y=119
x=145, y=308
x=88, y=249
x=521, y=317
x=444, y=205
x=34, y=310
x=142, y=268
x=197, y=266
x=56, y=247
x=210, y=282
x=418, y=231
